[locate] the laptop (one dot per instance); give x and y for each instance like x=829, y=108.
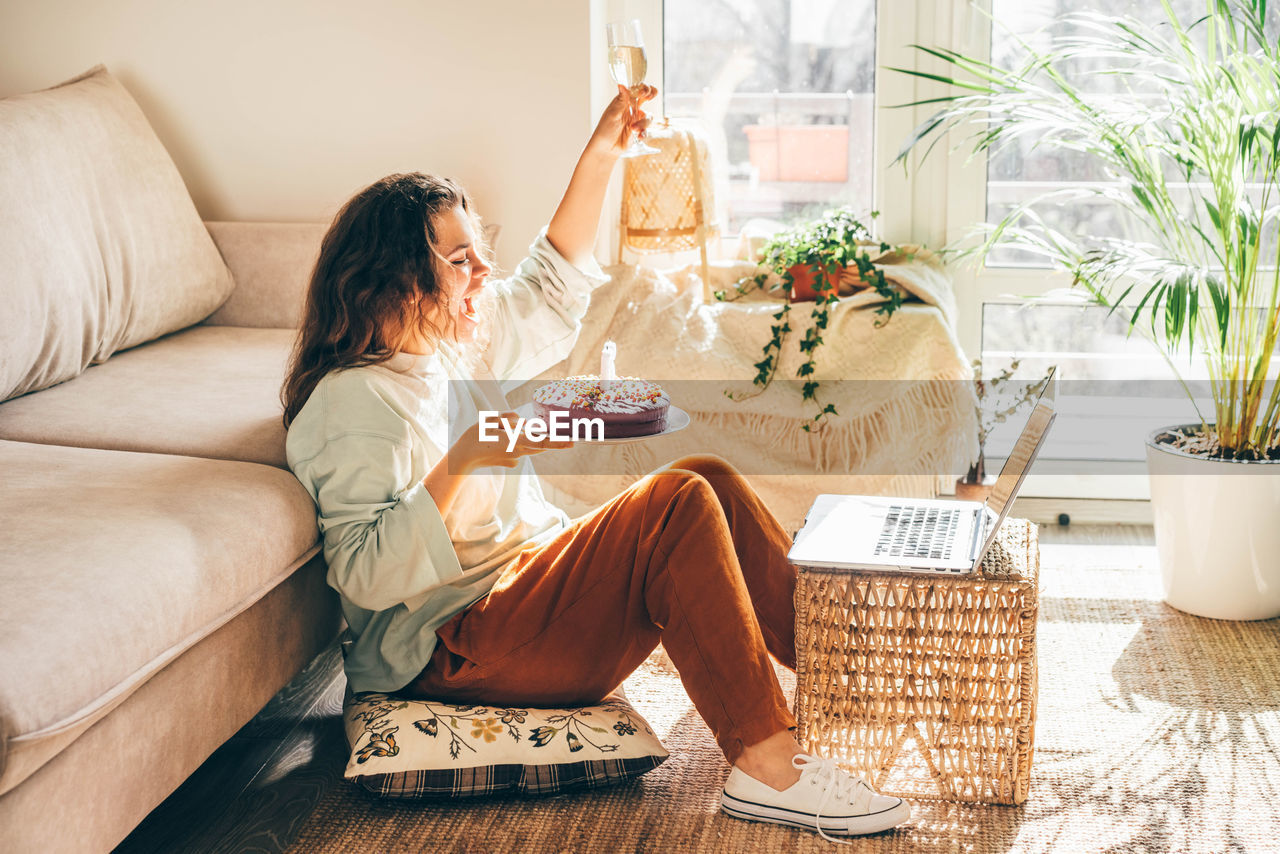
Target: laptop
x=865, y=532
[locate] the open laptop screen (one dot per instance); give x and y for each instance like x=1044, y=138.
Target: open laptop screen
x=1020, y=458
x=1019, y=461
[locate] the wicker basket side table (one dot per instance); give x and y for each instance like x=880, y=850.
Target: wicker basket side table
x=924, y=685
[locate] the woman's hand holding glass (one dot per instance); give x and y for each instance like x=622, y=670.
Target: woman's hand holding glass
x=628, y=65
x=573, y=228
x=623, y=120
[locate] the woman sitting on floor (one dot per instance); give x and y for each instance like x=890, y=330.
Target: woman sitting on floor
x=459, y=581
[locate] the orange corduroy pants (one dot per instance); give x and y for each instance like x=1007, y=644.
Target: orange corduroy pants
x=689, y=556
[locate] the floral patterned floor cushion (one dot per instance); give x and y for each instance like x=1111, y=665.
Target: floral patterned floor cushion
x=403, y=748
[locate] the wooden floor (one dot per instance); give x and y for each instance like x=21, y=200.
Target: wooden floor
x=254, y=792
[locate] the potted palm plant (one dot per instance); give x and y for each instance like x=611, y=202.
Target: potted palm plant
x=1190, y=142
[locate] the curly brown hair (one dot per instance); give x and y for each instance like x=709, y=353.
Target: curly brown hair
x=374, y=281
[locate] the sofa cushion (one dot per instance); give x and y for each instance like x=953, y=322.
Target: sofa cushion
x=272, y=264
x=112, y=565
x=203, y=392
x=102, y=245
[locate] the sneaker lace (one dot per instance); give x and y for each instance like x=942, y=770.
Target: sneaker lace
x=838, y=786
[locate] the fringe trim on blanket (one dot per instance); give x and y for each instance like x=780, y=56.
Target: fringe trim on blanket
x=919, y=424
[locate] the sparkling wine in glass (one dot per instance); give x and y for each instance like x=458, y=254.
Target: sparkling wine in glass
x=628, y=65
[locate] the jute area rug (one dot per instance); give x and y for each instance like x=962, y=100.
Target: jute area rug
x=1156, y=731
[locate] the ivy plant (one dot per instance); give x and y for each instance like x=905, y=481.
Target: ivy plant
x=826, y=247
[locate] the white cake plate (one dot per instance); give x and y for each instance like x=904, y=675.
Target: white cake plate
x=677, y=420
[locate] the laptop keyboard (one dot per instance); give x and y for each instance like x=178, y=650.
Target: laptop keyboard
x=926, y=532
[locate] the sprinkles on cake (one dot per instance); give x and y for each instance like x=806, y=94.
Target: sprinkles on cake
x=585, y=392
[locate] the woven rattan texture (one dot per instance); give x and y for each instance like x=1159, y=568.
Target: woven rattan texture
x=925, y=685
x=668, y=195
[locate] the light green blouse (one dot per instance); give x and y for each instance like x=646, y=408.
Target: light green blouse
x=367, y=437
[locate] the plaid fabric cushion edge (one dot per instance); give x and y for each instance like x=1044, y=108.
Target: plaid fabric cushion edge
x=452, y=783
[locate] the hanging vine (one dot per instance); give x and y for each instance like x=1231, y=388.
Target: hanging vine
x=827, y=248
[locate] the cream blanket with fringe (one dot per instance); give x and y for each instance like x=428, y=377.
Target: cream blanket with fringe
x=904, y=424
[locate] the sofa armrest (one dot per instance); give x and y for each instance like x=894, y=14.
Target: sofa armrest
x=271, y=263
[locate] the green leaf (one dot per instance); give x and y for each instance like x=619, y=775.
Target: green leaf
x=1142, y=197
x=942, y=78
x=923, y=130
x=1248, y=228
x=1153, y=295
x=1120, y=300
x=1193, y=311
x=1221, y=307
x=1175, y=311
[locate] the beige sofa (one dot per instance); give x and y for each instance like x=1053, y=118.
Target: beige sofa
x=159, y=564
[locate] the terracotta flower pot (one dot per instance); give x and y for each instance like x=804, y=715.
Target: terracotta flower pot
x=799, y=152
x=975, y=491
x=804, y=289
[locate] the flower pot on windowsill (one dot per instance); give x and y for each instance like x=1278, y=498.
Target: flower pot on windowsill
x=799, y=152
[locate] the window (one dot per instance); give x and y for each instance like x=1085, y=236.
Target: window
x=1019, y=173
x=785, y=90
x=757, y=71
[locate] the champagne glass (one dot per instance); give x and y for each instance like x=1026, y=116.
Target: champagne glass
x=628, y=65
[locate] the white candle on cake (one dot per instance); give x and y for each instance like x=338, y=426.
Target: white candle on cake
x=607, y=356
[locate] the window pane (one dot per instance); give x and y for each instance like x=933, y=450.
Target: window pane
x=1017, y=172
x=784, y=89
x=1114, y=387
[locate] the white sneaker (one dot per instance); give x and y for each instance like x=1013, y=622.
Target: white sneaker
x=825, y=799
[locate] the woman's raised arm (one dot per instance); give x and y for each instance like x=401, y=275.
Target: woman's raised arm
x=572, y=230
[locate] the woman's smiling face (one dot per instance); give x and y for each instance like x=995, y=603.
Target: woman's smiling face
x=460, y=273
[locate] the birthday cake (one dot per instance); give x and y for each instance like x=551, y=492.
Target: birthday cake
x=628, y=406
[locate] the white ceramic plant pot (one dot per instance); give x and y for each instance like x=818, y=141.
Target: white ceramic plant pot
x=1217, y=532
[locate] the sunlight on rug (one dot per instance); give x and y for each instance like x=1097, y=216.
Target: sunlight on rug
x=1156, y=731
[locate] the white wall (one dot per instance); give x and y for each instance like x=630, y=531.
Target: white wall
x=281, y=109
